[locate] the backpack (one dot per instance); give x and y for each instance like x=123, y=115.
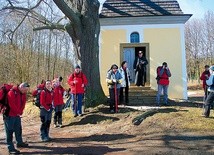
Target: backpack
x=4, y=106
x=37, y=97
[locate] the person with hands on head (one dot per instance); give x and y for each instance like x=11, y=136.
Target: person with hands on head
x=113, y=80
x=17, y=100
x=77, y=82
x=46, y=100
x=163, y=74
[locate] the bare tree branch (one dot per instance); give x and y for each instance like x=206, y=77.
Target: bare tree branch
x=51, y=27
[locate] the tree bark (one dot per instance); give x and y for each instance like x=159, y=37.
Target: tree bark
x=84, y=29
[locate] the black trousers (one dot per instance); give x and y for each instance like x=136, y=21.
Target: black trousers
x=112, y=97
x=126, y=94
x=208, y=102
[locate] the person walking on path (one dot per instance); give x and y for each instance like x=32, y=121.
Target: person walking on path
x=59, y=93
x=46, y=108
x=139, y=66
x=210, y=98
x=124, y=71
x=77, y=82
x=163, y=74
x=17, y=100
x=113, y=80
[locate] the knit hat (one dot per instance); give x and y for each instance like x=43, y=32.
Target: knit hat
x=77, y=66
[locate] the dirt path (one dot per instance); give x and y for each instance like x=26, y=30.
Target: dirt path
x=99, y=132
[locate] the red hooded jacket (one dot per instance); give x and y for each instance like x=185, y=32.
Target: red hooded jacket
x=81, y=82
x=58, y=95
x=16, y=101
x=205, y=76
x=46, y=99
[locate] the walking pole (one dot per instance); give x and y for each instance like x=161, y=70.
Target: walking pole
x=115, y=94
x=75, y=100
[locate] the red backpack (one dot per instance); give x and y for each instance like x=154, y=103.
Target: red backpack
x=4, y=106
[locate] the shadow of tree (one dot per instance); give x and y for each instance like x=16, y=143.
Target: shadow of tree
x=92, y=119
x=97, y=138
x=95, y=150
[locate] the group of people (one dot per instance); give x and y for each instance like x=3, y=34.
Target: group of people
x=118, y=79
x=208, y=85
x=49, y=97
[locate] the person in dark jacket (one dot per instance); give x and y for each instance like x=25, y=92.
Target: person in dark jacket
x=139, y=66
x=46, y=108
x=16, y=100
x=77, y=82
x=210, y=98
x=163, y=74
x=124, y=71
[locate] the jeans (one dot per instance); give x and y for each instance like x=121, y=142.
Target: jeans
x=163, y=88
x=45, y=117
x=208, y=102
x=13, y=124
x=68, y=102
x=77, y=103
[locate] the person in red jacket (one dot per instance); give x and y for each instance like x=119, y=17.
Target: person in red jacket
x=58, y=101
x=77, y=82
x=16, y=100
x=163, y=74
x=46, y=108
x=205, y=76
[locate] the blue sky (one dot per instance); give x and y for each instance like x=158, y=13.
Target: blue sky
x=195, y=7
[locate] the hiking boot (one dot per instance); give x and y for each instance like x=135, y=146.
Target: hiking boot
x=46, y=139
x=55, y=126
x=14, y=151
x=18, y=145
x=75, y=115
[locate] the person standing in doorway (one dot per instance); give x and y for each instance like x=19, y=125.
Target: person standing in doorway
x=124, y=71
x=139, y=66
x=163, y=74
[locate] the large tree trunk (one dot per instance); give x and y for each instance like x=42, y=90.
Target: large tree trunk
x=84, y=29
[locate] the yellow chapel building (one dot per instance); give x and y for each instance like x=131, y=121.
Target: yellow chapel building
x=155, y=27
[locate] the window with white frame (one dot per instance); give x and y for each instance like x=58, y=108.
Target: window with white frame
x=135, y=37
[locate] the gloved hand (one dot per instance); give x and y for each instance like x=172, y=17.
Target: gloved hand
x=114, y=80
x=119, y=81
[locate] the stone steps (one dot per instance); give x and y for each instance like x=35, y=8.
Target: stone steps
x=142, y=96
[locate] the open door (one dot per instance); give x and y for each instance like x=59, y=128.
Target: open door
x=129, y=56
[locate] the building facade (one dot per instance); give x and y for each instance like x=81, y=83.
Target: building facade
x=155, y=27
